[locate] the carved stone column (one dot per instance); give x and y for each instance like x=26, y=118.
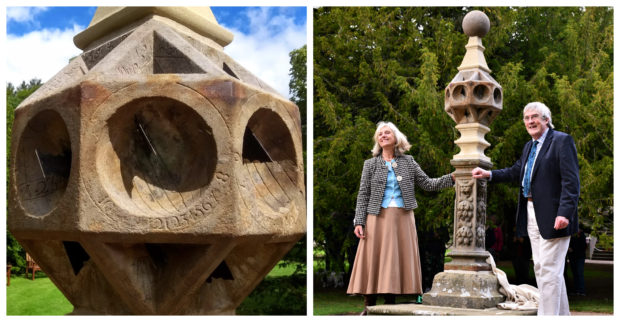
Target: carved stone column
x=473, y=99
x=154, y=174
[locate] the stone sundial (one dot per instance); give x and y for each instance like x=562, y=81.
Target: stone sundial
x=154, y=174
x=473, y=99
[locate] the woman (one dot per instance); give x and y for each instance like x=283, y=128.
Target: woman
x=387, y=260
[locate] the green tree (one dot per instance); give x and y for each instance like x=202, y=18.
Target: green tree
x=15, y=254
x=286, y=294
x=373, y=64
x=297, y=84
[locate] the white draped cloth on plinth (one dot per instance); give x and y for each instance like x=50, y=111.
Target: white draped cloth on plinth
x=518, y=297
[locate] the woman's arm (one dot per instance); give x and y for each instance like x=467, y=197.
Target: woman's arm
x=429, y=184
x=363, y=195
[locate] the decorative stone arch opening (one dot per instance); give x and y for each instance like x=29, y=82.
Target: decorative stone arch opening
x=44, y=162
x=268, y=139
x=160, y=156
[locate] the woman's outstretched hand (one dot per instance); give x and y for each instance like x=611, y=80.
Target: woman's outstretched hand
x=359, y=231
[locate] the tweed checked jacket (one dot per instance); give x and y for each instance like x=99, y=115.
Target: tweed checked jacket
x=374, y=179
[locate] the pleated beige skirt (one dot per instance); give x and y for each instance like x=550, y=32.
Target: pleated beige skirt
x=388, y=259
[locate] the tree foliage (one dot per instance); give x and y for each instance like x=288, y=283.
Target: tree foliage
x=15, y=254
x=297, y=85
x=391, y=63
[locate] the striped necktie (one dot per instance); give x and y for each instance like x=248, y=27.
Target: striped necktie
x=528, y=170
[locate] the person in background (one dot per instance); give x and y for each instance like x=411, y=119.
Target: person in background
x=499, y=238
x=494, y=241
x=577, y=259
x=521, y=259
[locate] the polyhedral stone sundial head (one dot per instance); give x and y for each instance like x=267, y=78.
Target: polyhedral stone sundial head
x=473, y=96
x=154, y=174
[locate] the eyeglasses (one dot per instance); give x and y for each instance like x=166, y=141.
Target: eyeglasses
x=531, y=117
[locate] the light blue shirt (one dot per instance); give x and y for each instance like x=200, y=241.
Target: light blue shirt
x=540, y=140
x=392, y=197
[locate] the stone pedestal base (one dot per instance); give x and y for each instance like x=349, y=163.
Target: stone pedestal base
x=464, y=289
x=428, y=310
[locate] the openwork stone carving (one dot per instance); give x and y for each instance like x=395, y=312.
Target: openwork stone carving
x=153, y=174
x=481, y=212
x=473, y=96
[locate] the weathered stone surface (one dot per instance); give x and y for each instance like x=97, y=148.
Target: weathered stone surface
x=464, y=289
x=476, y=24
x=428, y=310
x=473, y=99
x=155, y=175
x=473, y=96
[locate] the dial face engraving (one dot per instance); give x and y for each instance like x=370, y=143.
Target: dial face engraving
x=160, y=156
x=43, y=163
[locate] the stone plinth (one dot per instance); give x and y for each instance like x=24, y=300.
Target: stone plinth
x=464, y=289
x=154, y=174
x=430, y=310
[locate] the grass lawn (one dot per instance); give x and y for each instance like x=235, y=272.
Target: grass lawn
x=42, y=297
x=38, y=297
x=598, y=279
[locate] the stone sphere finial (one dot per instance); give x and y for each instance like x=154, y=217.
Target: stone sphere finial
x=476, y=23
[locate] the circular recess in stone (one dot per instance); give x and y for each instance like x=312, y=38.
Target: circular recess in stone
x=459, y=93
x=160, y=156
x=481, y=93
x=43, y=163
x=497, y=95
x=268, y=139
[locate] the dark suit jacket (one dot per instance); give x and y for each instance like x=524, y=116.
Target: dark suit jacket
x=554, y=185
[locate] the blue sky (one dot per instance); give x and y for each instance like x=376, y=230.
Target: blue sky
x=40, y=39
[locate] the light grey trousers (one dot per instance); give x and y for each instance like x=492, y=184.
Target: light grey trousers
x=549, y=258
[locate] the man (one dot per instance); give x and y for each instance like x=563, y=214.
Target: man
x=548, y=172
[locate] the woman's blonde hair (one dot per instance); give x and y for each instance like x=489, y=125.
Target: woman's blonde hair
x=401, y=146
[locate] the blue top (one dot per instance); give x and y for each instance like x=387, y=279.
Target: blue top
x=392, y=197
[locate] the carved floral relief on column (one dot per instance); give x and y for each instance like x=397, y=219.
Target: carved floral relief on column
x=464, y=214
x=481, y=212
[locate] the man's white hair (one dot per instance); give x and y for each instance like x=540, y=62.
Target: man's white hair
x=542, y=109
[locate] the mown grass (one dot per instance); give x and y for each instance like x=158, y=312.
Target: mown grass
x=38, y=297
x=279, y=293
x=598, y=278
